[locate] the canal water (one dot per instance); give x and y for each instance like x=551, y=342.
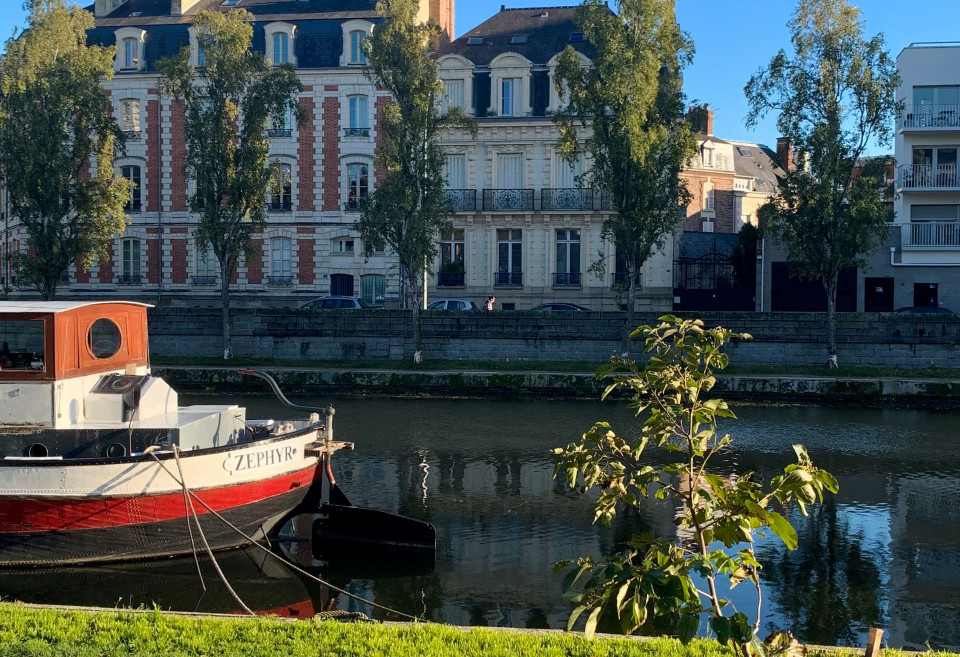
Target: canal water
x=884, y=552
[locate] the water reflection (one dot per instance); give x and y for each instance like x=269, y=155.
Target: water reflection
x=885, y=552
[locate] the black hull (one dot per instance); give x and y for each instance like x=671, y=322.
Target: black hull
x=148, y=540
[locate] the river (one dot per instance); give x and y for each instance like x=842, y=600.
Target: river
x=884, y=552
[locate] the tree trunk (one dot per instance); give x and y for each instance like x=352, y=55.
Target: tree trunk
x=225, y=303
x=414, y=296
x=631, y=303
x=831, y=289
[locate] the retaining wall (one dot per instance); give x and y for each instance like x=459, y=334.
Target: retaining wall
x=882, y=339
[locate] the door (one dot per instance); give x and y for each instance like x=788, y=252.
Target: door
x=878, y=295
x=341, y=285
x=926, y=295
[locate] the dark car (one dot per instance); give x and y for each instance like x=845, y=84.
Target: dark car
x=560, y=307
x=335, y=303
x=939, y=310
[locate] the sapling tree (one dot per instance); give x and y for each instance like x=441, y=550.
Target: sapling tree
x=718, y=515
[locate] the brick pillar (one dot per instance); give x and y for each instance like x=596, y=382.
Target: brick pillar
x=178, y=157
x=306, y=190
x=153, y=254
x=105, y=274
x=306, y=253
x=255, y=264
x=153, y=154
x=178, y=255
x=331, y=151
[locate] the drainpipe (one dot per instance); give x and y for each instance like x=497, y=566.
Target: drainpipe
x=762, y=258
x=159, y=206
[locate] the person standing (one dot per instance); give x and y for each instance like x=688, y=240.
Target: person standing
x=490, y=301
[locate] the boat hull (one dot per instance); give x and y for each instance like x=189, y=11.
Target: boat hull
x=61, y=512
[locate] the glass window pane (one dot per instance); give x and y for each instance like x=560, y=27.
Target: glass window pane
x=21, y=344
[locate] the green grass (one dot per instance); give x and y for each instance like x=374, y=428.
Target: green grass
x=32, y=632
x=557, y=366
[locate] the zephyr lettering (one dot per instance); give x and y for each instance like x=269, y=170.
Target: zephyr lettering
x=254, y=460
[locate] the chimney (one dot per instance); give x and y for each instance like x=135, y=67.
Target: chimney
x=708, y=121
x=103, y=8
x=785, y=153
x=701, y=118
x=179, y=7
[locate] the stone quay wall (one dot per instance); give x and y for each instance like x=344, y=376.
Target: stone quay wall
x=881, y=339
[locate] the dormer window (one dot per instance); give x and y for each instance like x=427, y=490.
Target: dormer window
x=518, y=38
x=129, y=49
x=280, y=42
x=475, y=41
x=510, y=85
x=354, y=32
x=576, y=37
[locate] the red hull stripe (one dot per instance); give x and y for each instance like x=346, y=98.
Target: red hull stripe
x=71, y=514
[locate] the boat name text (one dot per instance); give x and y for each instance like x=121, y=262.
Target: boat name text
x=254, y=460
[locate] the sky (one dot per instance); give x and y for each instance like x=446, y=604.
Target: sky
x=733, y=38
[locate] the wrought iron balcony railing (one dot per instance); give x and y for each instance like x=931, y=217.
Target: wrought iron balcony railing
x=566, y=199
x=461, y=200
x=131, y=135
x=931, y=116
x=280, y=281
x=280, y=206
x=928, y=176
x=204, y=280
x=356, y=132
x=931, y=235
x=506, y=200
x=508, y=279
x=128, y=280
x=279, y=132
x=132, y=206
x=354, y=205
x=605, y=202
x=450, y=279
x=567, y=279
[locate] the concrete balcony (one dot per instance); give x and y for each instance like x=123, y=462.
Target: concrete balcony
x=930, y=118
x=928, y=177
x=927, y=235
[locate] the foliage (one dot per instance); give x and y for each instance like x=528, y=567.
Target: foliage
x=228, y=103
x=407, y=210
x=54, y=123
x=836, y=95
x=629, y=101
x=718, y=515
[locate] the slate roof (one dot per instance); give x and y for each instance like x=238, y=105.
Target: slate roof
x=760, y=164
x=548, y=31
x=318, y=44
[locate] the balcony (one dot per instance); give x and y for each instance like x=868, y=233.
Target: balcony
x=461, y=200
x=356, y=132
x=508, y=200
x=128, y=280
x=450, y=279
x=131, y=135
x=280, y=281
x=566, y=199
x=354, y=205
x=928, y=177
x=508, y=279
x=279, y=132
x=570, y=279
x=204, y=280
x=931, y=118
x=280, y=206
x=931, y=235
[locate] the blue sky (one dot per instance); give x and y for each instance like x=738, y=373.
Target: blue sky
x=733, y=39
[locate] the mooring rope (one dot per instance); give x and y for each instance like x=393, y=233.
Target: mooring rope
x=286, y=562
x=187, y=507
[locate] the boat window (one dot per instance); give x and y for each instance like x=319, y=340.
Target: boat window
x=103, y=338
x=21, y=344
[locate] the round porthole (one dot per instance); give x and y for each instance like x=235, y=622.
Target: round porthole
x=116, y=451
x=37, y=450
x=103, y=338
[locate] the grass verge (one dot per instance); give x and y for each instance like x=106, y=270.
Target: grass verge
x=33, y=632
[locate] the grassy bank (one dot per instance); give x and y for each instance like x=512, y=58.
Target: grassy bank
x=32, y=632
x=786, y=369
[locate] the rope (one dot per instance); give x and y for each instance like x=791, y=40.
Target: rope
x=187, y=507
x=341, y=614
x=287, y=563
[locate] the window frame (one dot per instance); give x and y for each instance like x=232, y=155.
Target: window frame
x=130, y=262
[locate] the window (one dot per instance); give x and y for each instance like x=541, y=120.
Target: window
x=201, y=57
x=130, y=262
x=451, y=258
x=341, y=285
x=130, y=117
x=509, y=257
x=132, y=173
x=518, y=39
x=568, y=257
x=509, y=170
x=343, y=245
x=475, y=41
x=22, y=343
x=934, y=99
x=280, y=261
x=576, y=37
x=708, y=197
x=129, y=54
x=453, y=90
x=282, y=124
x=744, y=151
x=356, y=47
x=281, y=192
x=454, y=171
x=358, y=125
x=510, y=97
x=706, y=155
x=933, y=167
x=357, y=185
x=372, y=287
x=568, y=173
x=207, y=266
x=281, y=48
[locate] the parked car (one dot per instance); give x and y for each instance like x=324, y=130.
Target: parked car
x=940, y=310
x=335, y=303
x=452, y=304
x=561, y=307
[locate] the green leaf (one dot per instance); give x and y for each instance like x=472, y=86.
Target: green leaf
x=687, y=627
x=574, y=615
x=591, y=627
x=721, y=627
x=740, y=628
x=621, y=594
x=782, y=528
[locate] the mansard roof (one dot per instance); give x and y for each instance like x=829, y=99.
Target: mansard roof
x=756, y=161
x=318, y=43
x=547, y=30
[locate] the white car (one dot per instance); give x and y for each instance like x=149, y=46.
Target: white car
x=452, y=304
